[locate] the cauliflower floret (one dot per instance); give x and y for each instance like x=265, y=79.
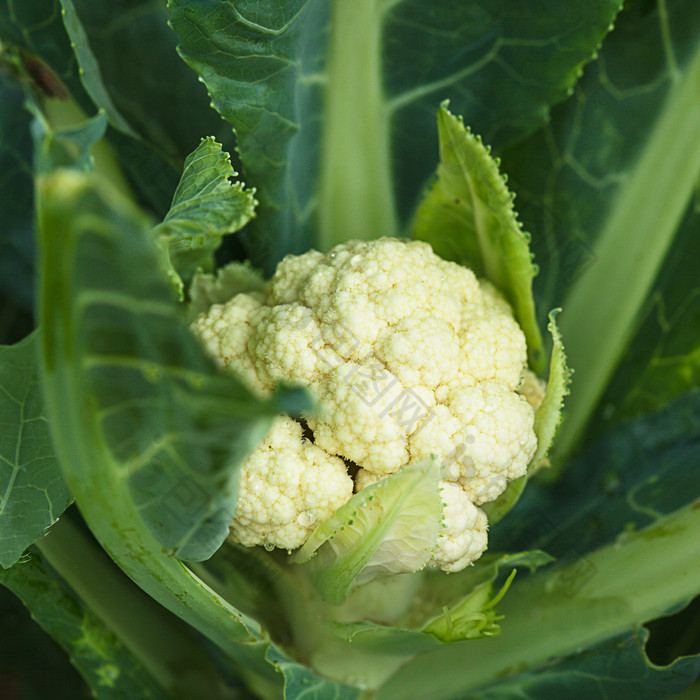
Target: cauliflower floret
x=463, y=537
x=286, y=487
x=354, y=422
x=225, y=331
x=406, y=355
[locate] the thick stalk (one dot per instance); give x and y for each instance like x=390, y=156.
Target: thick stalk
x=601, y=311
x=564, y=609
x=356, y=196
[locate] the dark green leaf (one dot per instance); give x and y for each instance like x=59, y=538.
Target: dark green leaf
x=16, y=195
x=638, y=472
x=112, y=670
x=33, y=493
x=127, y=54
x=22, y=641
x=206, y=206
x=605, y=187
x=90, y=70
x=663, y=359
x=37, y=29
x=331, y=102
x=615, y=669
x=302, y=684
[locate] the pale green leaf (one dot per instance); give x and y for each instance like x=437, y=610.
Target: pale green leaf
x=206, y=206
x=209, y=288
x=149, y=434
x=387, y=528
x=467, y=216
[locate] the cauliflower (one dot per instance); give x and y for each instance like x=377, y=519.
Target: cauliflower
x=407, y=356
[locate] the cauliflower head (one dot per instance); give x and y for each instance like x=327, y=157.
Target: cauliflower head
x=407, y=355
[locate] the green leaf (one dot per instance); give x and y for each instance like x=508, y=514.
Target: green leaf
x=302, y=684
x=126, y=53
x=625, y=481
x=467, y=216
x=37, y=29
x=16, y=195
x=173, y=427
x=112, y=671
x=606, y=186
x=90, y=70
x=573, y=606
x=663, y=358
x=339, y=138
x=69, y=147
x=235, y=278
x=616, y=669
x=149, y=434
x=33, y=493
x=387, y=528
x=548, y=415
x=21, y=643
x=206, y=206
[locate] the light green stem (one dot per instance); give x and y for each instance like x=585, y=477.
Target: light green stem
x=356, y=195
x=602, y=308
x=559, y=611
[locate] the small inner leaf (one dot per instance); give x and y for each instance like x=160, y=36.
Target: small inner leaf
x=206, y=206
x=467, y=216
x=387, y=528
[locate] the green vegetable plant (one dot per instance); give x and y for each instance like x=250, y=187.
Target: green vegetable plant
x=407, y=408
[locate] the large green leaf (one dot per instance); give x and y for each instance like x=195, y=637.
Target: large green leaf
x=615, y=669
x=148, y=432
x=565, y=609
x=625, y=481
x=331, y=102
x=605, y=188
x=663, y=359
x=33, y=493
x=130, y=67
x=22, y=641
x=123, y=642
